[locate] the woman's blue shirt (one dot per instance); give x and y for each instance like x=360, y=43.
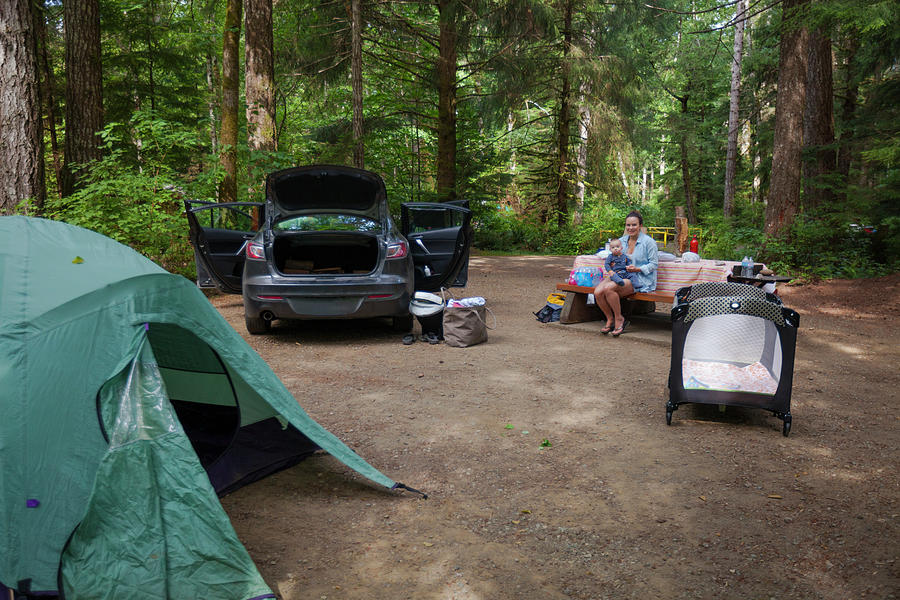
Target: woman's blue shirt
x=646, y=258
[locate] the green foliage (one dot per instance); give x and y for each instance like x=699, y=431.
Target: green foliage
x=137, y=200
x=503, y=230
x=628, y=67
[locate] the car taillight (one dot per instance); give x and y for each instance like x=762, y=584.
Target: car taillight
x=397, y=250
x=256, y=251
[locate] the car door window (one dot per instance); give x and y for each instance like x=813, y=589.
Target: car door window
x=439, y=235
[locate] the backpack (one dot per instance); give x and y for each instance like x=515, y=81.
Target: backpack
x=551, y=310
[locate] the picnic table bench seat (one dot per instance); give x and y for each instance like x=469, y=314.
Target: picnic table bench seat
x=577, y=310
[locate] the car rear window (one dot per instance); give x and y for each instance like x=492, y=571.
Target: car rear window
x=328, y=222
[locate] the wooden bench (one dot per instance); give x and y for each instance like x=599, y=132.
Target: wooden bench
x=577, y=310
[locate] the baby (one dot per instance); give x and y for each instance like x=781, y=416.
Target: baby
x=616, y=263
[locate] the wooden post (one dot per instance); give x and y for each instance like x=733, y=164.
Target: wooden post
x=681, y=230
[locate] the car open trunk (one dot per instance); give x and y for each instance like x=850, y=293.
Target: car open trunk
x=314, y=253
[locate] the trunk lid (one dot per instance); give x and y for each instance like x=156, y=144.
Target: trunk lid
x=324, y=188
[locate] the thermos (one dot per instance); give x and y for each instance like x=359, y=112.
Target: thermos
x=695, y=245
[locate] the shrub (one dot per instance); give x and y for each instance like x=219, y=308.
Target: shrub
x=138, y=203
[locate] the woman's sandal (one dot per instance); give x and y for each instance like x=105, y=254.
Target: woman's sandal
x=606, y=329
x=618, y=332
x=408, y=339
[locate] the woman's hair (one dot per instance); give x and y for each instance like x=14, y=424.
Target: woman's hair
x=635, y=213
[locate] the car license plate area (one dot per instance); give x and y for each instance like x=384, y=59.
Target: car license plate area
x=326, y=306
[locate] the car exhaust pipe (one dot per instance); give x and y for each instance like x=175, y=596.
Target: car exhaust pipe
x=267, y=315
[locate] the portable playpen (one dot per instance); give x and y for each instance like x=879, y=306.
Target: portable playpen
x=732, y=344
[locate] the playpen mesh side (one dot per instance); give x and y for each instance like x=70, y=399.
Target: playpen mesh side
x=732, y=352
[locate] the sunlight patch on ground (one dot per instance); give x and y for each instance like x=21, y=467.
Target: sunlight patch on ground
x=847, y=312
x=460, y=590
x=846, y=348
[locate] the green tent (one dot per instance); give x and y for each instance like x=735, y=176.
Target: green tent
x=127, y=403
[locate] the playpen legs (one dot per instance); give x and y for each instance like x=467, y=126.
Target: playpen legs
x=670, y=408
x=786, y=427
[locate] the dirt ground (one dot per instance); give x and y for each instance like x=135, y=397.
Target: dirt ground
x=719, y=505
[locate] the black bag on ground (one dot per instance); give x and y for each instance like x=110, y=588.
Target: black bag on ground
x=551, y=311
x=548, y=314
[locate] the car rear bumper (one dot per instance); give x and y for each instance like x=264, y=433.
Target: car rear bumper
x=339, y=300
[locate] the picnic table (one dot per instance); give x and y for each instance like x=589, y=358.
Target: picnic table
x=670, y=277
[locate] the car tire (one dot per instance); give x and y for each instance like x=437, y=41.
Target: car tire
x=404, y=323
x=257, y=326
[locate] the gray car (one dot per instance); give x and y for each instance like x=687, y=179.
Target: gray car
x=324, y=246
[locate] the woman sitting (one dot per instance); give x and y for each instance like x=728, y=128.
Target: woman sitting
x=644, y=255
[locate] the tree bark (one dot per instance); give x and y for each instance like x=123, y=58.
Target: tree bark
x=446, y=68
x=356, y=83
x=685, y=165
x=259, y=85
x=84, y=89
x=21, y=139
x=564, y=121
x=581, y=158
x=784, y=189
x=818, y=123
x=212, y=105
x=733, y=116
x=846, y=150
x=681, y=230
x=48, y=92
x=230, y=86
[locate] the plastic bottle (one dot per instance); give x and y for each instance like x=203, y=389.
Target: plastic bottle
x=746, y=267
x=695, y=245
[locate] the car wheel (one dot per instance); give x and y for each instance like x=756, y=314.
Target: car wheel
x=404, y=323
x=257, y=326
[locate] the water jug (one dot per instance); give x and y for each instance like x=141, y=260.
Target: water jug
x=747, y=267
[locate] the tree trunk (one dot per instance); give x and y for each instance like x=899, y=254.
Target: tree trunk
x=685, y=165
x=48, y=93
x=581, y=158
x=848, y=110
x=230, y=86
x=564, y=119
x=682, y=232
x=356, y=81
x=259, y=85
x=734, y=103
x=212, y=104
x=446, y=68
x=84, y=89
x=784, y=189
x=818, y=123
x=21, y=139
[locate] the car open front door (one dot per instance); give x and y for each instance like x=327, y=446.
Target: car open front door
x=439, y=236
x=219, y=233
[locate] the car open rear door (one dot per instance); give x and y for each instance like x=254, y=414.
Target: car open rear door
x=219, y=233
x=439, y=236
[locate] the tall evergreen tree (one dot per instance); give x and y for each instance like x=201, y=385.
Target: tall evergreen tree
x=356, y=82
x=231, y=35
x=21, y=140
x=818, y=122
x=784, y=192
x=733, y=106
x=259, y=83
x=84, y=89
